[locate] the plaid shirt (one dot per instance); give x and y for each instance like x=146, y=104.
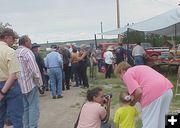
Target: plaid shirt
x=29, y=72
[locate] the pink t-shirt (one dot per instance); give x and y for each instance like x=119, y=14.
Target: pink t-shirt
x=152, y=83
x=91, y=115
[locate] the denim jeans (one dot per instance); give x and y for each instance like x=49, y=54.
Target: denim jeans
x=75, y=67
x=55, y=77
x=139, y=60
x=31, y=108
x=13, y=103
x=46, y=81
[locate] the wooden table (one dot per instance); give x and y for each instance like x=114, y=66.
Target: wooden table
x=166, y=68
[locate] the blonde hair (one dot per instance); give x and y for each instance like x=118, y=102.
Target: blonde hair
x=123, y=66
x=124, y=97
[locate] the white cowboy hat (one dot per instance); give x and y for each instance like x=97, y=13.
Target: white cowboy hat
x=110, y=48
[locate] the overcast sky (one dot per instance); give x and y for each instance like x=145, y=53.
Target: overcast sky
x=68, y=20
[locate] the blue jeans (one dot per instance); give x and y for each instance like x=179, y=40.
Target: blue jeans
x=13, y=103
x=139, y=60
x=55, y=77
x=75, y=67
x=31, y=108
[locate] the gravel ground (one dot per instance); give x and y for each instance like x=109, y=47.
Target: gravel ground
x=60, y=113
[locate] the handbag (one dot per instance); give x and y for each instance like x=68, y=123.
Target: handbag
x=77, y=121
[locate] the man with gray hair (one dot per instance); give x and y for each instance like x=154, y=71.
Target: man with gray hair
x=10, y=92
x=30, y=79
x=54, y=63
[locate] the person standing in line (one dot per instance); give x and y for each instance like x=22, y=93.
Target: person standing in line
x=10, y=92
x=40, y=63
x=125, y=115
x=108, y=58
x=83, y=63
x=69, y=48
x=29, y=79
x=151, y=89
x=93, y=65
x=66, y=60
x=54, y=63
x=120, y=53
x=75, y=66
x=138, y=53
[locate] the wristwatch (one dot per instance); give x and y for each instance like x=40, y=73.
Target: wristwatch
x=2, y=92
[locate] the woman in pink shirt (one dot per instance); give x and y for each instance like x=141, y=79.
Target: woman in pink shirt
x=151, y=89
x=93, y=111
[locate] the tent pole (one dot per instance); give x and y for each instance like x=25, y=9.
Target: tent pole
x=127, y=39
x=175, y=39
x=118, y=20
x=127, y=49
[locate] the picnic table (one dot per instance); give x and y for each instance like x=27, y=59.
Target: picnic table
x=167, y=66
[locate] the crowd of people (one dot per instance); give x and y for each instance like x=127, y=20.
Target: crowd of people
x=24, y=74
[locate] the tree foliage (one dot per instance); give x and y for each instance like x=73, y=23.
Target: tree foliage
x=133, y=37
x=154, y=39
x=2, y=26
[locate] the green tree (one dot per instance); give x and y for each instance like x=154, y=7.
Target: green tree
x=2, y=26
x=133, y=37
x=155, y=40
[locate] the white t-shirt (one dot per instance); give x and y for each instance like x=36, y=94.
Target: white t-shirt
x=138, y=51
x=108, y=57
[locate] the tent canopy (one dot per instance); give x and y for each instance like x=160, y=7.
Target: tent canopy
x=164, y=24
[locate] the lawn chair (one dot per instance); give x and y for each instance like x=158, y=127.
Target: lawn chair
x=177, y=92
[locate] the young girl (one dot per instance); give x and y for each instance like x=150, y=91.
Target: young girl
x=125, y=116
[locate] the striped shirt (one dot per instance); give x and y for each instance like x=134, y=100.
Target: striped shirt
x=29, y=72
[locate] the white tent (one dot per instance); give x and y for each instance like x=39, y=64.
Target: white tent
x=167, y=24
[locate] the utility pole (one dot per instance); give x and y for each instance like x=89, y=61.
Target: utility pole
x=101, y=30
x=47, y=44
x=95, y=40
x=118, y=20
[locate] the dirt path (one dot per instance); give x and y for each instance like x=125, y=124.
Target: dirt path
x=60, y=113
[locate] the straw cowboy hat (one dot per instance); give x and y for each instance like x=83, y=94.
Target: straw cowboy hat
x=110, y=48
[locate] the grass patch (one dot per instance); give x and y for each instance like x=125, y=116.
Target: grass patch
x=113, y=86
x=175, y=104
